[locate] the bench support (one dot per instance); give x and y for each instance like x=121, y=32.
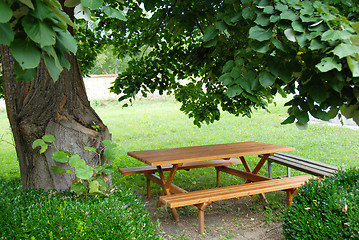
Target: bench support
x=201, y=207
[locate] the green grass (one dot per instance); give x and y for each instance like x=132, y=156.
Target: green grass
x=158, y=123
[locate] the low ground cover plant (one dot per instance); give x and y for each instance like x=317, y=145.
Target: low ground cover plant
x=325, y=209
x=34, y=214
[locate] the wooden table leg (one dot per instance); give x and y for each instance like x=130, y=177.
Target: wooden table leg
x=166, y=186
x=256, y=170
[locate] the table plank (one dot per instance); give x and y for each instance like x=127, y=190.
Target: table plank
x=206, y=152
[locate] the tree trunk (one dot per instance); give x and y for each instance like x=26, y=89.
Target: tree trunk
x=44, y=107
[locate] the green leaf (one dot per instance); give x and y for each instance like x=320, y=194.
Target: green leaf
x=297, y=26
x=53, y=68
x=114, y=13
x=107, y=169
x=234, y=90
x=278, y=45
x=245, y=84
x=259, y=33
x=90, y=149
x=268, y=10
x=266, y=79
x=94, y=186
x=226, y=79
x=335, y=35
x=28, y=3
x=316, y=45
x=261, y=47
x=40, y=143
x=211, y=43
x=68, y=171
x=301, y=39
x=289, y=120
x=61, y=157
x=353, y=66
x=58, y=170
x=41, y=11
x=98, y=169
x=76, y=161
x=84, y=172
x=101, y=181
x=39, y=31
x=228, y=66
x=37, y=143
x=6, y=34
x=25, y=53
x=236, y=72
x=210, y=33
x=72, y=3
x=274, y=18
x=67, y=40
x=5, y=12
x=92, y=4
x=262, y=20
x=48, y=138
x=328, y=64
x=289, y=15
x=24, y=74
x=302, y=116
x=78, y=188
x=247, y=13
x=344, y=50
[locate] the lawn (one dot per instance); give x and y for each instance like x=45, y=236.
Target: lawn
x=158, y=123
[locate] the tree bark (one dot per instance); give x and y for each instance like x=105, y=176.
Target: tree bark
x=60, y=108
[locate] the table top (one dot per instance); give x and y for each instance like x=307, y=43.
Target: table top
x=207, y=152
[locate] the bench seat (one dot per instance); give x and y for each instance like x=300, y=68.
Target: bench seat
x=204, y=197
x=301, y=164
x=185, y=166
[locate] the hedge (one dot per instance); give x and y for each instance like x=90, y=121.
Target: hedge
x=325, y=209
x=34, y=214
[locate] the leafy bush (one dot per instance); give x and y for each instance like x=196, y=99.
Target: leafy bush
x=34, y=214
x=325, y=209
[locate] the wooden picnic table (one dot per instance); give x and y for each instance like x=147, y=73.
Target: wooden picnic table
x=179, y=156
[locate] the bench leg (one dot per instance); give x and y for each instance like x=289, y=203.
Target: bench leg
x=269, y=169
x=218, y=176
x=201, y=208
x=148, y=188
x=290, y=193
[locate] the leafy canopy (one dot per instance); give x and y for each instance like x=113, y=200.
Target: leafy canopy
x=213, y=55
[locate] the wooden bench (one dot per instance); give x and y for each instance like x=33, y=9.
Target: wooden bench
x=302, y=164
x=185, y=166
x=202, y=198
x=149, y=171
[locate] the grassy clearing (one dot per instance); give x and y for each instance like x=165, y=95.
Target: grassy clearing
x=158, y=123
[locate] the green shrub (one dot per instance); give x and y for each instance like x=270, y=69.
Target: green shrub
x=325, y=209
x=34, y=214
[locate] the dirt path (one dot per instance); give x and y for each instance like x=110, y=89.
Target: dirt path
x=243, y=218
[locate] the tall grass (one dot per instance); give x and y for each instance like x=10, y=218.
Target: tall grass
x=158, y=123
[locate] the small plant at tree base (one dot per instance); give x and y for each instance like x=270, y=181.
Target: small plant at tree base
x=88, y=180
